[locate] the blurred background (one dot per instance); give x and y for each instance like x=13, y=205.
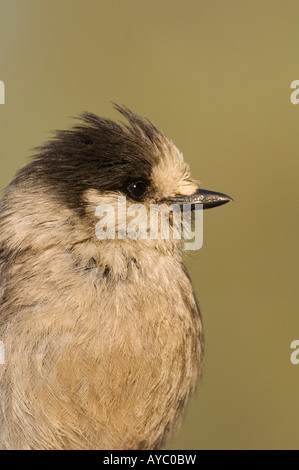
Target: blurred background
x=215, y=77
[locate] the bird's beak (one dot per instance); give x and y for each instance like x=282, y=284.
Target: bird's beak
x=207, y=198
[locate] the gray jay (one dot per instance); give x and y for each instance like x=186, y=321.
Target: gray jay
x=103, y=338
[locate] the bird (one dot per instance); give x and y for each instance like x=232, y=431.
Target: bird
x=103, y=338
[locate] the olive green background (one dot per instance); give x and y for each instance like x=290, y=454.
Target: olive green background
x=215, y=76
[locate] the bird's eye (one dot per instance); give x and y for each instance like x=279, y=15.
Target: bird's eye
x=137, y=189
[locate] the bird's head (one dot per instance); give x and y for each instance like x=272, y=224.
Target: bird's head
x=99, y=160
